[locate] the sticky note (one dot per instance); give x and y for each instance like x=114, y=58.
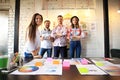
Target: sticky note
x=38, y=64
x=56, y=62
x=99, y=63
x=66, y=64
x=84, y=61
x=49, y=59
x=83, y=70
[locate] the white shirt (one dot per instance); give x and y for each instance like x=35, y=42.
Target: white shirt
x=30, y=46
x=45, y=43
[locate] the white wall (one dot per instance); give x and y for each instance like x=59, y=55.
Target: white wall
x=92, y=46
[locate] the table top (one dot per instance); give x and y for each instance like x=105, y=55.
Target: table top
x=67, y=74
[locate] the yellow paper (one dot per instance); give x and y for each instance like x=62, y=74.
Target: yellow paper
x=83, y=70
x=99, y=64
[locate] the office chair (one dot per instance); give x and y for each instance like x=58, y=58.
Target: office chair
x=115, y=53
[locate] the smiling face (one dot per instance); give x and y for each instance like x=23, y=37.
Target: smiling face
x=38, y=20
x=60, y=19
x=75, y=21
x=47, y=24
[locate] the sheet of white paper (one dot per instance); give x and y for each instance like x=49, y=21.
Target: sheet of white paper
x=90, y=70
x=46, y=69
x=108, y=67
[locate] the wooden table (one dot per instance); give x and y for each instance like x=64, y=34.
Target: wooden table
x=67, y=74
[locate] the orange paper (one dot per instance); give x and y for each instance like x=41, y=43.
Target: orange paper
x=38, y=64
x=56, y=62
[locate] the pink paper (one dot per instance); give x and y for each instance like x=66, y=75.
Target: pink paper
x=49, y=59
x=66, y=64
x=84, y=61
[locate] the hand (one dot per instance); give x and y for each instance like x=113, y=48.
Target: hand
x=51, y=39
x=41, y=38
x=48, y=38
x=37, y=57
x=59, y=34
x=75, y=37
x=35, y=52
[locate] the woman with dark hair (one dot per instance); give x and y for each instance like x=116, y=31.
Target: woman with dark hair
x=74, y=35
x=32, y=45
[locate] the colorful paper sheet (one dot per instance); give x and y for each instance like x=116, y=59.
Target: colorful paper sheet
x=44, y=69
x=90, y=70
x=108, y=67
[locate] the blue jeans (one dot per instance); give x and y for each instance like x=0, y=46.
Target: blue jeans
x=61, y=50
x=28, y=55
x=43, y=50
x=75, y=46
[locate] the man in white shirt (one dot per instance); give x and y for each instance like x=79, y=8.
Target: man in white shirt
x=46, y=40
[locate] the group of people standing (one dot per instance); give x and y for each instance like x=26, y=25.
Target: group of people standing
x=39, y=42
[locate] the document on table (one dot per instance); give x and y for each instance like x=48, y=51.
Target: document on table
x=90, y=69
x=108, y=67
x=43, y=69
x=77, y=61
